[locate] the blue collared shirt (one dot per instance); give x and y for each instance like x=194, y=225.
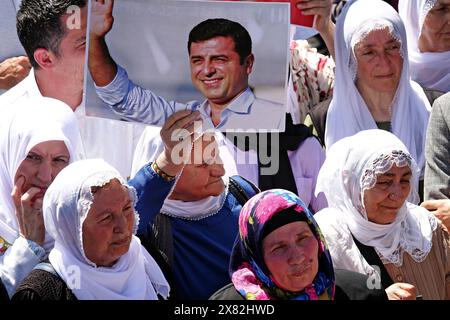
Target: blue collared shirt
x=135, y=103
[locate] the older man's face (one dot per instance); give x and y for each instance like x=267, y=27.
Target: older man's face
x=216, y=70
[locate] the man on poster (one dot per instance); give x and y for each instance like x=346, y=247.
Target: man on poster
x=221, y=60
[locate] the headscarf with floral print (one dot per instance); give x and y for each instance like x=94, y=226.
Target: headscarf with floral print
x=248, y=271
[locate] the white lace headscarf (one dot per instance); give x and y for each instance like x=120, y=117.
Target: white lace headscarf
x=430, y=69
x=67, y=202
x=348, y=113
x=148, y=148
x=37, y=120
x=351, y=167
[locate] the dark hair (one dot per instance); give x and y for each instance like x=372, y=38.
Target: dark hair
x=282, y=218
x=39, y=24
x=212, y=28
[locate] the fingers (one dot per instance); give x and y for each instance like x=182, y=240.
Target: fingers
x=37, y=205
x=27, y=199
x=24, y=62
x=405, y=291
x=109, y=5
x=432, y=204
x=16, y=193
x=307, y=5
x=106, y=5
x=181, y=119
x=181, y=126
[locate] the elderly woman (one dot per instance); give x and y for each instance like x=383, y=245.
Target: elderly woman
x=372, y=83
x=280, y=253
x=89, y=211
x=428, y=29
x=373, y=224
x=198, y=222
x=35, y=144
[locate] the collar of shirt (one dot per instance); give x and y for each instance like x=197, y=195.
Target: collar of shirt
x=239, y=105
x=31, y=85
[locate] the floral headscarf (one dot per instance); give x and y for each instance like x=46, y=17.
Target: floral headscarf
x=248, y=271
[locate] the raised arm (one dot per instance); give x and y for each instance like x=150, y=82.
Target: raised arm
x=112, y=83
x=322, y=22
x=155, y=180
x=102, y=67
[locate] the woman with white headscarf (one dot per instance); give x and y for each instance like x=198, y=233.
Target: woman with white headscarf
x=89, y=211
x=373, y=221
x=36, y=142
x=427, y=24
x=372, y=84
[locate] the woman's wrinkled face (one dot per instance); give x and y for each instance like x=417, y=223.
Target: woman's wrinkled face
x=385, y=199
x=379, y=62
x=108, y=227
x=41, y=165
x=435, y=33
x=291, y=255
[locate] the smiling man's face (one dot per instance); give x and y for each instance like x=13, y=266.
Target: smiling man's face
x=216, y=70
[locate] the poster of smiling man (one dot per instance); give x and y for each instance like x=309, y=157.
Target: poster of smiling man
x=149, y=59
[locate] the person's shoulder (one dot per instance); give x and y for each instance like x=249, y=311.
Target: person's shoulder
x=13, y=95
x=356, y=286
x=242, y=187
x=3, y=293
x=43, y=285
x=432, y=94
x=442, y=105
x=329, y=218
x=227, y=292
x=441, y=235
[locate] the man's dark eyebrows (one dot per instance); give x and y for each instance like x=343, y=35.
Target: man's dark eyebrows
x=212, y=56
x=220, y=56
x=195, y=57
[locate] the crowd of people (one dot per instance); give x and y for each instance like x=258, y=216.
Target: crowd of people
x=357, y=208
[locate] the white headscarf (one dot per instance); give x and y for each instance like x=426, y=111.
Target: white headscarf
x=135, y=275
x=351, y=167
x=348, y=113
x=39, y=120
x=430, y=69
x=148, y=149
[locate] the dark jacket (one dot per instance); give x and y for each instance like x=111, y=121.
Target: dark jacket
x=3, y=293
x=349, y=286
x=43, y=285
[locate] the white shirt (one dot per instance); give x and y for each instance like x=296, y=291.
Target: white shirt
x=113, y=141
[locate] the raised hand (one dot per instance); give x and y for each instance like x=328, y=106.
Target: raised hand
x=13, y=70
x=321, y=9
x=29, y=212
x=101, y=17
